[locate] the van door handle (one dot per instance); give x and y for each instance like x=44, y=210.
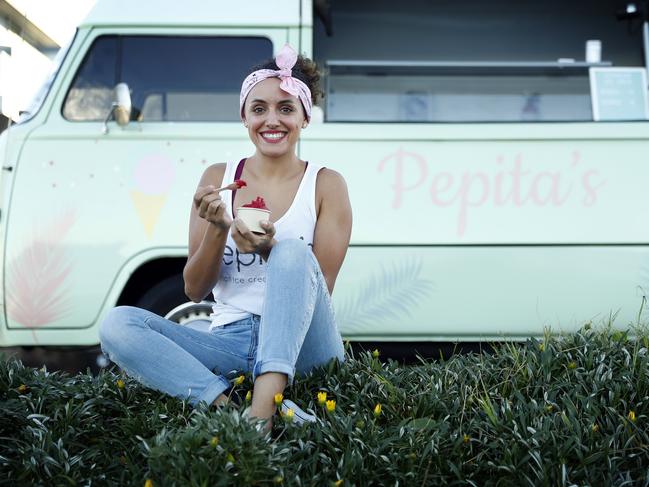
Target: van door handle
x=8, y=168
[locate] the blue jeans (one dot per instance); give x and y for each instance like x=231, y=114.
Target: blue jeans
x=295, y=333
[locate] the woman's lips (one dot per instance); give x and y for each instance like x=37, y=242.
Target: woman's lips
x=273, y=137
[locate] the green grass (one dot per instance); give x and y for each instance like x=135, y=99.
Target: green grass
x=565, y=410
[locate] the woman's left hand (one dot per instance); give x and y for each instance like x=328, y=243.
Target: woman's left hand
x=253, y=243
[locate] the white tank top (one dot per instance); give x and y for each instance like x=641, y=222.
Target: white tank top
x=241, y=287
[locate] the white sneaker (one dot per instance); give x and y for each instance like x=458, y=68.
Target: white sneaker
x=300, y=417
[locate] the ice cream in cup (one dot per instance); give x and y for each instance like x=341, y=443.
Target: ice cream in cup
x=253, y=214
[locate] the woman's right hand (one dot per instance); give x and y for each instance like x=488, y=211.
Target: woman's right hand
x=211, y=207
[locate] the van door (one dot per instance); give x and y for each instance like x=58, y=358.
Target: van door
x=86, y=204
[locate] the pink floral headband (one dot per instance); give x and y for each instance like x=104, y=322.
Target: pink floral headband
x=285, y=61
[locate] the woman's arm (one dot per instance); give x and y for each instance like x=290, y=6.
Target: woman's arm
x=334, y=225
x=208, y=230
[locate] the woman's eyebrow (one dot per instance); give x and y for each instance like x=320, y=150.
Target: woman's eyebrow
x=281, y=102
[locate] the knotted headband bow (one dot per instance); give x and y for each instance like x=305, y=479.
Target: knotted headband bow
x=285, y=61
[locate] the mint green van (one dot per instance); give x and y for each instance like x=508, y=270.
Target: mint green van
x=488, y=204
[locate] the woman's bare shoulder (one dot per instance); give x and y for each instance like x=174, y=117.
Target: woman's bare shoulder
x=330, y=187
x=213, y=175
x=330, y=181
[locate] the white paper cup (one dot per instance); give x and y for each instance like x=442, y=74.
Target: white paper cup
x=252, y=217
x=594, y=51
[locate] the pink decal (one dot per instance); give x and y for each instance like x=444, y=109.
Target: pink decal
x=517, y=175
x=399, y=187
x=576, y=157
x=36, y=278
x=514, y=186
x=499, y=200
x=436, y=190
x=154, y=174
x=464, y=197
x=552, y=191
x=591, y=197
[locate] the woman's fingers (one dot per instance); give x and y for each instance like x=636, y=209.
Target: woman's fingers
x=269, y=227
x=210, y=200
x=249, y=242
x=237, y=237
x=201, y=192
x=244, y=231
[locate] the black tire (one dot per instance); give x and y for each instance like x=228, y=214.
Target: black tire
x=164, y=296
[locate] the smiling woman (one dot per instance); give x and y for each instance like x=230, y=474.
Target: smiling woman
x=272, y=314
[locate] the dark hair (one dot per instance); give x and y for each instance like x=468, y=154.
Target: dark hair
x=305, y=70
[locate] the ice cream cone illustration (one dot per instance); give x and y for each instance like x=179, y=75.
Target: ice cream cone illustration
x=148, y=209
x=154, y=175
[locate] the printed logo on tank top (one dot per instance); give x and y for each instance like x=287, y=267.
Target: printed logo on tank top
x=236, y=262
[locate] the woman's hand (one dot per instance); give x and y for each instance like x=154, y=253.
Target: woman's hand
x=249, y=243
x=211, y=207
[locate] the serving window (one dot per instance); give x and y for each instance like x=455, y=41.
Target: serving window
x=470, y=61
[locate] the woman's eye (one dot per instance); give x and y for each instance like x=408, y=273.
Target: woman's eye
x=287, y=109
x=257, y=109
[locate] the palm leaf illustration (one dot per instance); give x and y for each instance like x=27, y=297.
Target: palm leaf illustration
x=390, y=294
x=36, y=294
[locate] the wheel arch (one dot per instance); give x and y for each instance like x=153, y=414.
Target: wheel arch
x=147, y=275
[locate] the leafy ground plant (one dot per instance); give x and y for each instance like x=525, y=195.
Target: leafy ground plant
x=562, y=410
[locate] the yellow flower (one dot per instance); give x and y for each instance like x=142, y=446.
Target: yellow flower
x=631, y=416
x=375, y=353
x=249, y=396
x=322, y=398
x=229, y=458
x=549, y=408
x=466, y=438
x=148, y=483
x=290, y=414
x=594, y=428
x=214, y=441
x=279, y=397
x=331, y=405
x=120, y=384
x=22, y=388
x=239, y=380
x=278, y=479
x=541, y=347
x=377, y=410
x=337, y=483
x=572, y=365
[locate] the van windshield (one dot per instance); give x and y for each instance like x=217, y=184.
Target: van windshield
x=38, y=99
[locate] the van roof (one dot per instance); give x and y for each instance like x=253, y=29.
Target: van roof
x=194, y=13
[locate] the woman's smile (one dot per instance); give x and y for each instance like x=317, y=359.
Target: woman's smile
x=273, y=136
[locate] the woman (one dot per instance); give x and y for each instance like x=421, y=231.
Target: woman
x=273, y=314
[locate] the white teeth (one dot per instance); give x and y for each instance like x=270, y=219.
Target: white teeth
x=273, y=136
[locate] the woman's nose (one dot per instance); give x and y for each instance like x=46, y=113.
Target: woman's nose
x=272, y=119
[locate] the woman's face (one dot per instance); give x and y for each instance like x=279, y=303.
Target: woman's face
x=274, y=118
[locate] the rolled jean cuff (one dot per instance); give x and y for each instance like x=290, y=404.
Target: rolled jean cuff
x=274, y=365
x=212, y=391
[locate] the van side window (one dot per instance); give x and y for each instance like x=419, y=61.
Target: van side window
x=91, y=94
x=184, y=79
